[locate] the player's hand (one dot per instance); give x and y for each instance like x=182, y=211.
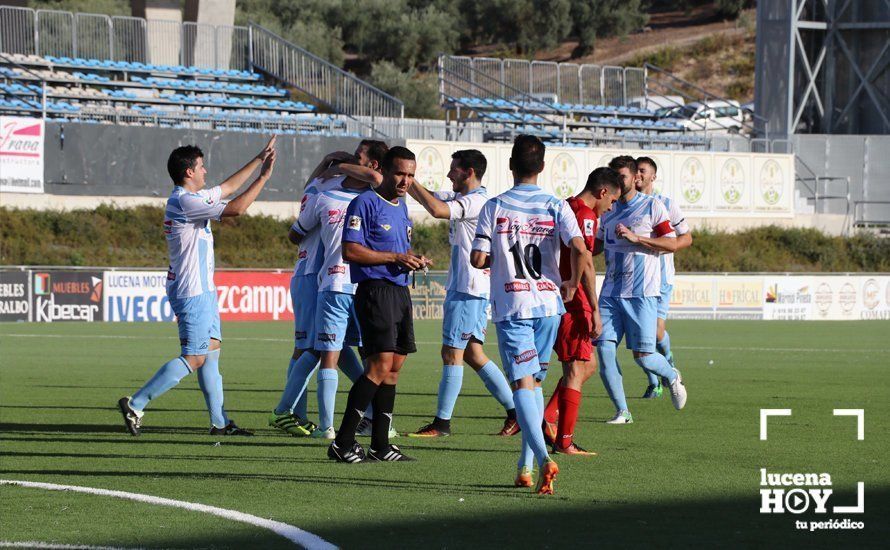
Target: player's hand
x=268, y=164
x=267, y=150
x=567, y=290
x=623, y=232
x=426, y=261
x=331, y=172
x=409, y=261
x=596, y=324
x=338, y=156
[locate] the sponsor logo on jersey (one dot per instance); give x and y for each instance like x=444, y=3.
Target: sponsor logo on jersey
x=546, y=285
x=302, y=255
x=525, y=356
x=300, y=334
x=335, y=216
x=333, y=270
x=168, y=227
x=517, y=286
x=532, y=226
x=385, y=226
x=589, y=227
x=466, y=335
x=355, y=223
x=409, y=233
x=208, y=201
x=326, y=336
x=303, y=202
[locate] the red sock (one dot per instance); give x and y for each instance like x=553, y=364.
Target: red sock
x=551, y=411
x=569, y=403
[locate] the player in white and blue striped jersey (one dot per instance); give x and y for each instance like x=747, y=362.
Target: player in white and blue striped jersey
x=518, y=236
x=633, y=235
x=190, y=287
x=647, y=172
x=466, y=298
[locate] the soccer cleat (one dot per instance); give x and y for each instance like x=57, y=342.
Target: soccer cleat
x=324, y=434
x=430, y=430
x=551, y=431
x=621, y=417
x=511, y=427
x=546, y=477
x=678, y=391
x=353, y=455
x=364, y=429
x=230, y=429
x=523, y=477
x=291, y=423
x=572, y=449
x=653, y=391
x=393, y=454
x=132, y=417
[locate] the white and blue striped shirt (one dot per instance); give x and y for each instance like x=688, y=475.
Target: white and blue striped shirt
x=678, y=222
x=190, y=240
x=310, y=257
x=464, y=216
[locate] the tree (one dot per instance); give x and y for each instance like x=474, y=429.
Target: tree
x=593, y=18
x=418, y=91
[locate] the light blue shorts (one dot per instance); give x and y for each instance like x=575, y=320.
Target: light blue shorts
x=633, y=319
x=304, y=293
x=465, y=318
x=526, y=346
x=335, y=322
x=198, y=321
x=664, y=301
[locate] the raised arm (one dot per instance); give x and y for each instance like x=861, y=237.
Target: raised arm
x=239, y=204
x=436, y=207
x=236, y=180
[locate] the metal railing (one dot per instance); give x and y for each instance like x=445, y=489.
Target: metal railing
x=341, y=91
x=43, y=92
x=585, y=84
x=862, y=217
x=92, y=36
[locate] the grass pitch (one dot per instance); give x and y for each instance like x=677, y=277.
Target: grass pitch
x=670, y=479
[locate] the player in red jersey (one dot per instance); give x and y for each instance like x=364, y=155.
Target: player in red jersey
x=581, y=322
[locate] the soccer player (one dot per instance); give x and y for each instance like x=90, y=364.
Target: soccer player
x=518, y=236
x=290, y=416
x=466, y=298
x=377, y=245
x=581, y=321
x=647, y=172
x=633, y=235
x=190, y=285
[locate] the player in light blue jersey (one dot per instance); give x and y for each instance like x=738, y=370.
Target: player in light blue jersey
x=633, y=235
x=290, y=413
x=467, y=292
x=518, y=236
x=190, y=285
x=647, y=172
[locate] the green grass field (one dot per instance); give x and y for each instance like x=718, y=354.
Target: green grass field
x=670, y=479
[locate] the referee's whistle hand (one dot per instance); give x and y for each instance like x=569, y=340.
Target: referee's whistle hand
x=409, y=261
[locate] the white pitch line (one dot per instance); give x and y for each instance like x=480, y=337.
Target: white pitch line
x=242, y=339
x=53, y=546
x=294, y=534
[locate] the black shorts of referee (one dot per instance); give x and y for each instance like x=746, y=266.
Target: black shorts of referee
x=385, y=317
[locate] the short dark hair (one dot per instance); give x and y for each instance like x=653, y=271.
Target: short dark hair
x=624, y=161
x=397, y=152
x=527, y=156
x=182, y=159
x=649, y=161
x=603, y=178
x=471, y=158
x=375, y=149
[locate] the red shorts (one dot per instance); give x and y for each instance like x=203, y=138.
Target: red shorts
x=573, y=342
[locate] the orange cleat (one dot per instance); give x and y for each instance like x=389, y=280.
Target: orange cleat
x=523, y=477
x=550, y=432
x=430, y=430
x=573, y=449
x=546, y=477
x=511, y=427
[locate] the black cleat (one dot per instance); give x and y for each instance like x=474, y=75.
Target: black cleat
x=352, y=456
x=230, y=429
x=132, y=419
x=393, y=454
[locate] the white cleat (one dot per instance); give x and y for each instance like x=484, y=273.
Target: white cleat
x=678, y=391
x=319, y=433
x=621, y=417
x=364, y=429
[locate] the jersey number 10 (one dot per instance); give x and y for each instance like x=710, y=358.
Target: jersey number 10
x=527, y=259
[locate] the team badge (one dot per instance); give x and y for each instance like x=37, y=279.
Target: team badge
x=355, y=222
x=385, y=226
x=409, y=233
x=589, y=228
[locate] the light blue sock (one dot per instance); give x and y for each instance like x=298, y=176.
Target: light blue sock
x=657, y=364
x=211, y=383
x=529, y=417
x=300, y=406
x=664, y=346
x=610, y=373
x=350, y=364
x=449, y=389
x=167, y=376
x=526, y=455
x=328, y=379
x=296, y=384
x=497, y=384
x=653, y=380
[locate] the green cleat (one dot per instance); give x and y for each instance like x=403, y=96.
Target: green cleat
x=290, y=423
x=653, y=391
